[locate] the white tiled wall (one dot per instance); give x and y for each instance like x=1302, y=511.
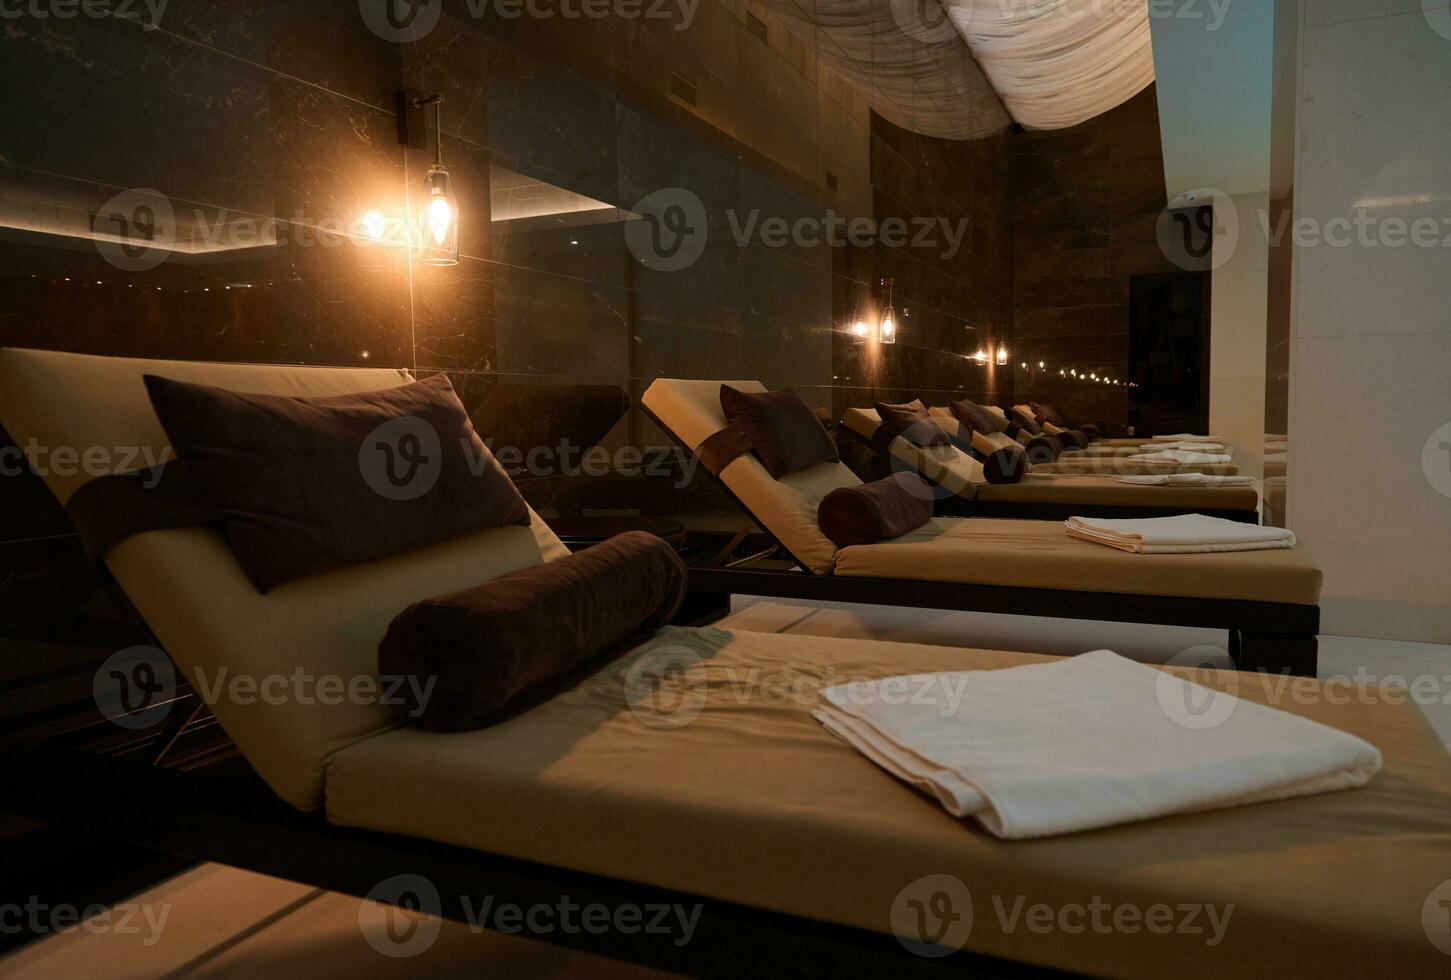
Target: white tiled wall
x=1371, y=346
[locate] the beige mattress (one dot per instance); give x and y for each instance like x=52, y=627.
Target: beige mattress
x=754, y=802
x=1050, y=488
x=1041, y=555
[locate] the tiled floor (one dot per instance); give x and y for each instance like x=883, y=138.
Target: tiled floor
x=227, y=923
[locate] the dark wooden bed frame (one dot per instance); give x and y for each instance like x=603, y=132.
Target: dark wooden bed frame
x=950, y=504
x=1274, y=637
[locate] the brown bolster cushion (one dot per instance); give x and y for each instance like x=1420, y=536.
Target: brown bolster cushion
x=1092, y=432
x=1007, y=465
x=1044, y=449
x=914, y=423
x=481, y=655
x=877, y=511
x=302, y=486
x=783, y=430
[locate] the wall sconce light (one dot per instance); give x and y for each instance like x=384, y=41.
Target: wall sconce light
x=887, y=332
x=980, y=356
x=1002, y=354
x=859, y=331
x=439, y=213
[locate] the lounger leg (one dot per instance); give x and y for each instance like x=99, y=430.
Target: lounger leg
x=702, y=609
x=1275, y=653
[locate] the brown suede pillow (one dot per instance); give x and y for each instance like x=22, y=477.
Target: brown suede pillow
x=1025, y=420
x=973, y=414
x=914, y=423
x=306, y=485
x=1047, y=413
x=877, y=511
x=478, y=656
x=784, y=431
x=1044, y=449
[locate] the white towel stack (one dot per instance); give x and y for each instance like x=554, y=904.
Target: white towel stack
x=1182, y=458
x=1087, y=742
x=1189, y=480
x=1187, y=437
x=1188, y=534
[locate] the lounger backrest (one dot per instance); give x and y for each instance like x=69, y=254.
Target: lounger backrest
x=785, y=507
x=947, y=466
x=194, y=595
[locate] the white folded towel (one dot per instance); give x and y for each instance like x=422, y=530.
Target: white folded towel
x=1187, y=534
x=1189, y=480
x=1087, y=742
x=1188, y=447
x=1182, y=458
x=1186, y=437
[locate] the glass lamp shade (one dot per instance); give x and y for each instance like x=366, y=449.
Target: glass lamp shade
x=1002, y=355
x=888, y=332
x=859, y=331
x=439, y=219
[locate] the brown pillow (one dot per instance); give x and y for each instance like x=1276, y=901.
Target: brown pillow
x=306, y=485
x=1048, y=413
x=476, y=656
x=873, y=512
x=1025, y=420
x=1091, y=433
x=785, y=433
x=914, y=423
x=978, y=417
x=1044, y=449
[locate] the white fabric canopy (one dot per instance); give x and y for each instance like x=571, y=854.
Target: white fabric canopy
x=964, y=69
x=1057, y=63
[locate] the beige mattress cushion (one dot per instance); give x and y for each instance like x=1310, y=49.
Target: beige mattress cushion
x=785, y=507
x=1107, y=491
x=196, y=598
x=753, y=802
x=1041, y=555
x=947, y=466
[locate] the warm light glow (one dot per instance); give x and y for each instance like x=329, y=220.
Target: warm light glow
x=889, y=330
x=440, y=219
x=1041, y=366
x=1002, y=355
x=375, y=226
x=859, y=329
x=980, y=356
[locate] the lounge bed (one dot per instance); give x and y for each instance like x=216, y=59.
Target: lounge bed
x=797, y=850
x=1053, y=491
x=1268, y=601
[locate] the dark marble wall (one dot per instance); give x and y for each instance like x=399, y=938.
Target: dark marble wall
x=1087, y=206
x=268, y=130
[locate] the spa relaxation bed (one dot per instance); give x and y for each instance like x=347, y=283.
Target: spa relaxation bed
x=1268, y=601
x=1047, y=491
x=773, y=840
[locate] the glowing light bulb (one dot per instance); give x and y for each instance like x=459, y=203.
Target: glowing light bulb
x=889, y=329
x=440, y=219
x=859, y=329
x=1002, y=355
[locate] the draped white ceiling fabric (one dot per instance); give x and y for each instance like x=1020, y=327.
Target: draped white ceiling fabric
x=1057, y=63
x=921, y=78
x=964, y=69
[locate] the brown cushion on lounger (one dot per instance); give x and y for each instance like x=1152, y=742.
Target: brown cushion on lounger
x=1091, y=432
x=1025, y=420
x=1048, y=413
x=973, y=414
x=1006, y=466
x=914, y=423
x=512, y=642
x=785, y=432
x=307, y=485
x=877, y=511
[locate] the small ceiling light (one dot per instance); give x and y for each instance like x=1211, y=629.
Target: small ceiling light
x=888, y=331
x=1041, y=366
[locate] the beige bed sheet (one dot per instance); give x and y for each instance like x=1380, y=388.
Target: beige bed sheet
x=753, y=802
x=1041, y=555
